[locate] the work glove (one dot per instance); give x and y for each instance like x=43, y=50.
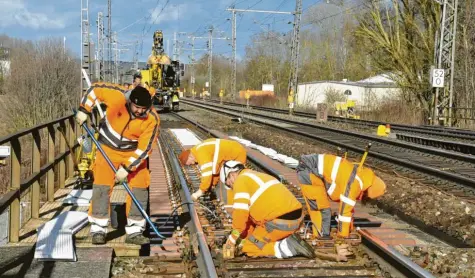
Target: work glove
x=121, y=175
x=228, y=249
x=81, y=117
x=195, y=196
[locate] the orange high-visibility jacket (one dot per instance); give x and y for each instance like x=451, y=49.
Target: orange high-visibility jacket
x=341, y=179
x=210, y=155
x=261, y=198
x=118, y=129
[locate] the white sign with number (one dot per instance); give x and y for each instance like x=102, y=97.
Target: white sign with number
x=4, y=151
x=438, y=78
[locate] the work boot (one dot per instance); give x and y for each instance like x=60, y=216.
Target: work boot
x=298, y=246
x=137, y=239
x=99, y=238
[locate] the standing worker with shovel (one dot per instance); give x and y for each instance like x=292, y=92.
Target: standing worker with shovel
x=126, y=135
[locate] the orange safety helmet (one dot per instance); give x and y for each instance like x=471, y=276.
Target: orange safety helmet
x=184, y=156
x=377, y=188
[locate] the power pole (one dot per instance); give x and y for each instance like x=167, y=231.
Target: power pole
x=210, y=58
x=234, y=40
x=85, y=44
x=192, y=83
x=100, y=46
x=116, y=58
x=136, y=56
x=109, y=37
x=192, y=65
x=177, y=45
x=444, y=59
x=174, y=46
x=234, y=72
x=294, y=56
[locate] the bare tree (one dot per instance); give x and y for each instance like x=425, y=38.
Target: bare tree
x=400, y=39
x=43, y=83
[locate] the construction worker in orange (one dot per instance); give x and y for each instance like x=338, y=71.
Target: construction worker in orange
x=127, y=134
x=266, y=216
x=210, y=155
x=325, y=177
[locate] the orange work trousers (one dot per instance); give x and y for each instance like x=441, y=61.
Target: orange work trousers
x=266, y=241
x=105, y=176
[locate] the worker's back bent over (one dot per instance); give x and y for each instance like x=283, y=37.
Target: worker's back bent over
x=210, y=155
x=325, y=177
x=127, y=134
x=265, y=214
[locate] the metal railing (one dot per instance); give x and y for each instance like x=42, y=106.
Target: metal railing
x=57, y=162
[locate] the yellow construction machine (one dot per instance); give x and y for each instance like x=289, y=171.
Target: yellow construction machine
x=163, y=74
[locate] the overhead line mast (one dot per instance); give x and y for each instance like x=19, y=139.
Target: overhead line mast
x=234, y=39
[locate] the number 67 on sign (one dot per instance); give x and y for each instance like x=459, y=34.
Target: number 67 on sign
x=438, y=78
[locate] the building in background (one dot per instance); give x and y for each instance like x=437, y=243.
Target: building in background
x=4, y=61
x=366, y=93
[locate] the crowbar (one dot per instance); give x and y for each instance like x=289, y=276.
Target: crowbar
x=366, y=151
x=126, y=186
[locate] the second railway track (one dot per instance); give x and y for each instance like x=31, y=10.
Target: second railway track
x=449, y=171
x=459, y=140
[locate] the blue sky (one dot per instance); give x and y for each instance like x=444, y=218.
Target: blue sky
x=35, y=19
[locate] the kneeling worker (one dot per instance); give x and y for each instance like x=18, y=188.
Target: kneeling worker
x=265, y=213
x=325, y=177
x=127, y=135
x=210, y=155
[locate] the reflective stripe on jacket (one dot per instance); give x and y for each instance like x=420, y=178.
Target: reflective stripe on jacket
x=118, y=129
x=210, y=155
x=261, y=198
x=342, y=181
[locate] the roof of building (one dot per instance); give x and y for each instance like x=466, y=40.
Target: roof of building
x=378, y=81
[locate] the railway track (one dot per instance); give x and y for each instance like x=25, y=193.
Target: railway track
x=210, y=223
x=459, y=140
x=449, y=171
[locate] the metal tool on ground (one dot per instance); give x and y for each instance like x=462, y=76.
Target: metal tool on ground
x=126, y=186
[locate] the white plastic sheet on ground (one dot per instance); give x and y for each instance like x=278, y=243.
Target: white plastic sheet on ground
x=287, y=160
x=55, y=237
x=185, y=136
x=80, y=198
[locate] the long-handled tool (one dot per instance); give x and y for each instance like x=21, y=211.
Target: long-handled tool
x=97, y=103
x=126, y=186
x=366, y=151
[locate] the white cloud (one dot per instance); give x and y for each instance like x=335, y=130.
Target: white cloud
x=174, y=12
x=15, y=12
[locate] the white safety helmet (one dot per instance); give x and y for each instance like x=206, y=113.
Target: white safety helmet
x=228, y=167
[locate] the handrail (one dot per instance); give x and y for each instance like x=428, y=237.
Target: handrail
x=62, y=159
x=30, y=130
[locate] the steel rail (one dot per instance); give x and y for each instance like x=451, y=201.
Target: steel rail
x=389, y=254
x=208, y=268
x=414, y=166
x=400, y=262
x=430, y=130
x=435, y=151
